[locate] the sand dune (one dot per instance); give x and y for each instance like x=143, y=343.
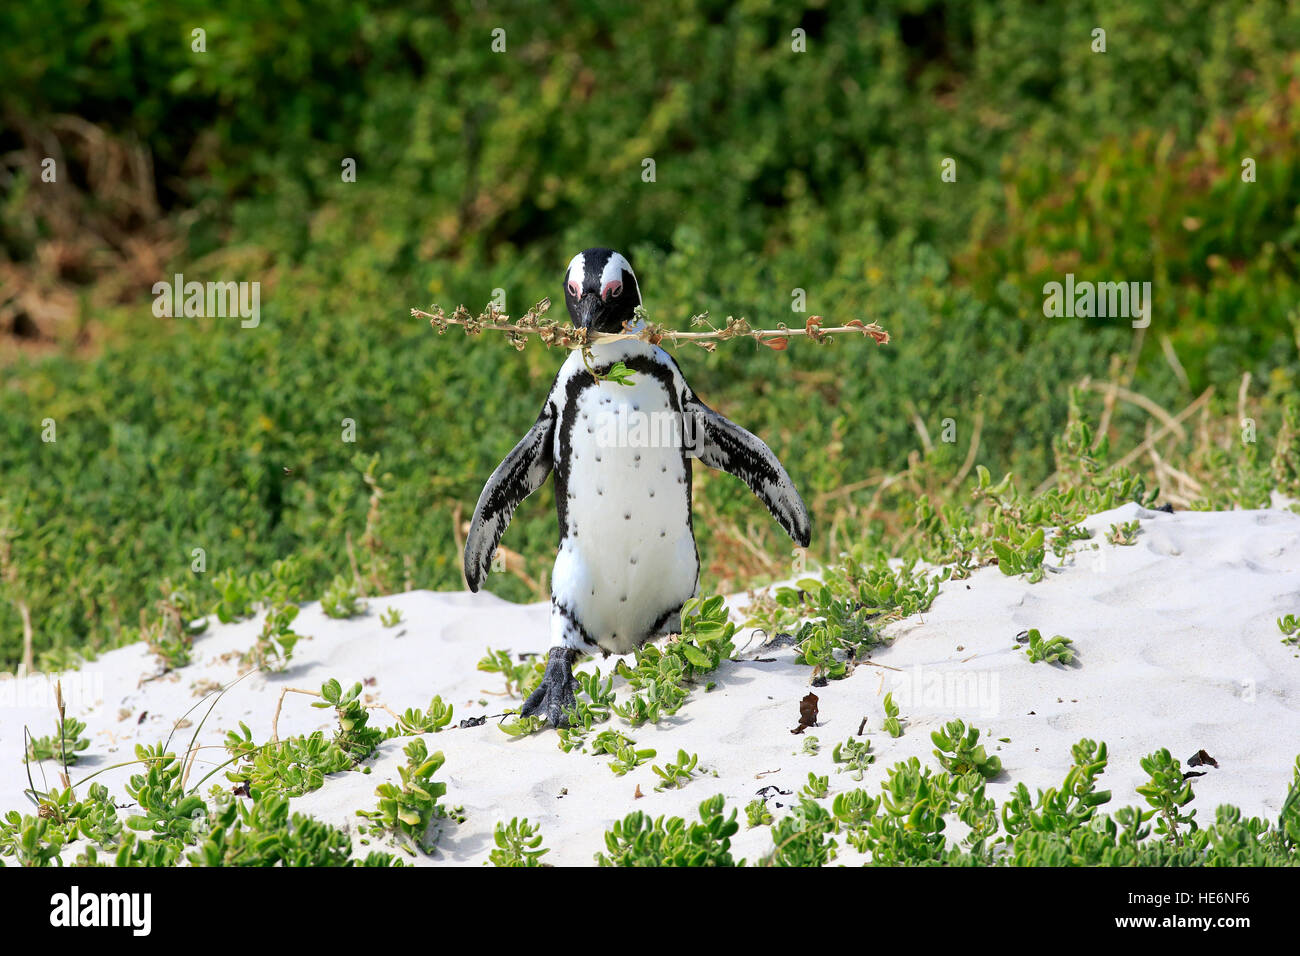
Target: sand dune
x=1176, y=635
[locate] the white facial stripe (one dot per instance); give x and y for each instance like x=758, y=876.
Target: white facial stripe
x=577, y=267
x=613, y=272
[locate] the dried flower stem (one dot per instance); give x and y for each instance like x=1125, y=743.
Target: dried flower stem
x=568, y=336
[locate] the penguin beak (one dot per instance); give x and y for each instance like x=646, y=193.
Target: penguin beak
x=585, y=310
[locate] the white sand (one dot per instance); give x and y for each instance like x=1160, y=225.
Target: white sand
x=1177, y=639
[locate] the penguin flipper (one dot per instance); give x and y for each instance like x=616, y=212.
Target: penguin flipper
x=520, y=474
x=722, y=444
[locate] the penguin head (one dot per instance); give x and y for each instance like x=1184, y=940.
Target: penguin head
x=600, y=290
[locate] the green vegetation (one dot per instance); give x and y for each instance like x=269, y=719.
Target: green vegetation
x=249, y=825
x=341, y=598
x=639, y=840
x=1124, y=534
x=905, y=821
x=264, y=833
x=291, y=767
x=521, y=676
x=757, y=814
x=518, y=844
x=906, y=824
x=475, y=172
x=523, y=726
x=623, y=749
x=959, y=751
x=817, y=786
x=663, y=675
x=225, y=832
x=676, y=774
x=410, y=809
x=1289, y=625
x=274, y=647
x=1052, y=650
x=1168, y=791
x=36, y=841
x=414, y=721
x=893, y=725
x=65, y=746
x=353, y=737
x=802, y=838
x=856, y=756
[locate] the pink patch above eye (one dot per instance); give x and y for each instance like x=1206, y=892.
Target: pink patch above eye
x=611, y=288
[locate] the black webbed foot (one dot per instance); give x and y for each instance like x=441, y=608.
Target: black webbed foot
x=555, y=695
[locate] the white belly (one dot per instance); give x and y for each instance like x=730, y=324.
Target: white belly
x=627, y=554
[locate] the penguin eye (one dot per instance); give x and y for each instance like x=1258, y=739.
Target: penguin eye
x=574, y=290
x=612, y=290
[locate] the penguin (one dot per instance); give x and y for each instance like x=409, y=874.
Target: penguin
x=621, y=454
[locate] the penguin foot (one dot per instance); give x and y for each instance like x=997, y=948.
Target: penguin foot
x=554, y=696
